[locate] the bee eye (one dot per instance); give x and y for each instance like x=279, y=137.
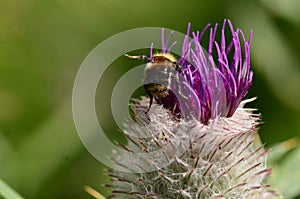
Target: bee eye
x=178, y=67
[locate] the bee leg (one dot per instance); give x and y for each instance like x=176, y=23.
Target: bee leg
x=142, y=57
x=180, y=93
x=179, y=82
x=151, y=100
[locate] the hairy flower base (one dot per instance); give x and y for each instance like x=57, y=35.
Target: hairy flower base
x=218, y=160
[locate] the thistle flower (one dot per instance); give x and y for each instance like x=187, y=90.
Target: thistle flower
x=210, y=150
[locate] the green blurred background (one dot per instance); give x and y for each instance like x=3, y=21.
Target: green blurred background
x=43, y=43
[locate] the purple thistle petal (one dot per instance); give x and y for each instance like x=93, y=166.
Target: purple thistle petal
x=173, y=44
x=151, y=50
x=213, y=87
x=203, y=31
x=168, y=40
x=163, y=48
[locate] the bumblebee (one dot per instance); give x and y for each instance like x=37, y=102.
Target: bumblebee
x=160, y=71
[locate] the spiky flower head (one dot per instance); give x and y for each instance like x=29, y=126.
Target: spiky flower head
x=209, y=151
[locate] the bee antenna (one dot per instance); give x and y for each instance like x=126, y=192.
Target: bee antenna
x=142, y=57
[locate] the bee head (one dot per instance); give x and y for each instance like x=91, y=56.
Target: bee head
x=166, y=57
x=162, y=57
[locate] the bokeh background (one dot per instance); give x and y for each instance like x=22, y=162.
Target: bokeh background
x=43, y=43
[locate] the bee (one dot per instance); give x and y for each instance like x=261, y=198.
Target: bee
x=160, y=71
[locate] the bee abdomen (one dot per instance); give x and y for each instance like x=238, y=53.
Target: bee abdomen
x=157, y=80
x=156, y=90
